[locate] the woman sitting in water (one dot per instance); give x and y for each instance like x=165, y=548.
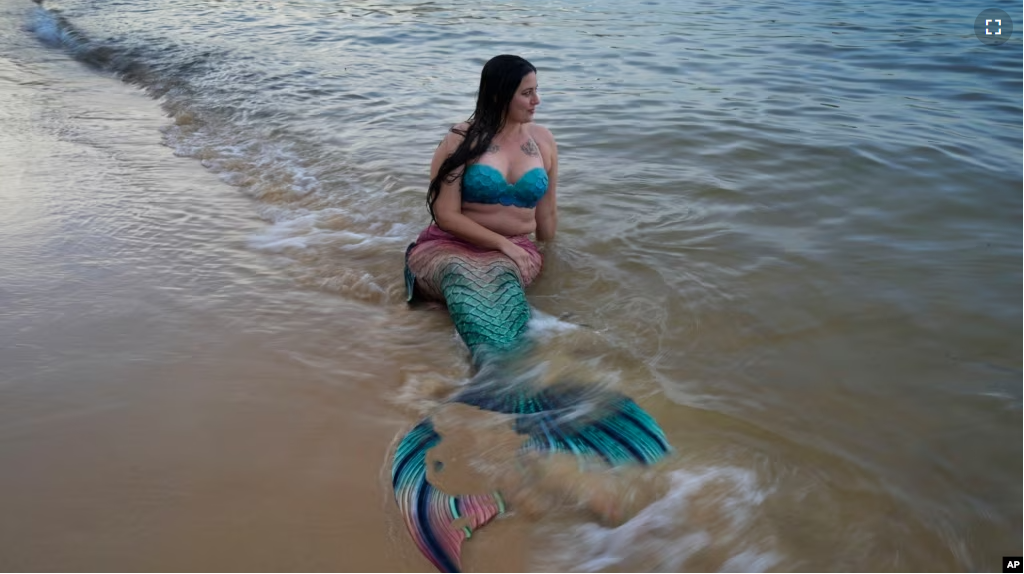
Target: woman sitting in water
x=493, y=181
x=493, y=178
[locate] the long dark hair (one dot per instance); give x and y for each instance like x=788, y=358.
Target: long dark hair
x=498, y=83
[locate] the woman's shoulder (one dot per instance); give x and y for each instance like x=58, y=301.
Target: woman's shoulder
x=458, y=132
x=546, y=142
x=453, y=137
x=542, y=134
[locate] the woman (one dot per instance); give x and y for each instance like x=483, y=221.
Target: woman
x=473, y=205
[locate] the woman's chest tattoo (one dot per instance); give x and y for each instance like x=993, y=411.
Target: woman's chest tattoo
x=530, y=148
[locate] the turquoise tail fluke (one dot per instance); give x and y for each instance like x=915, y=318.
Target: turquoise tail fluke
x=438, y=522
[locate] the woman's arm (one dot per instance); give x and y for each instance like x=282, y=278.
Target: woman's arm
x=547, y=207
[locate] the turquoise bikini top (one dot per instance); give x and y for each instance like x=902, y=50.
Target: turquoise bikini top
x=485, y=184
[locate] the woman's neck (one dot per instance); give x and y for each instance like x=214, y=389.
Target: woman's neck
x=512, y=130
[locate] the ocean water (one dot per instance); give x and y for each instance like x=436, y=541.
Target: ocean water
x=790, y=229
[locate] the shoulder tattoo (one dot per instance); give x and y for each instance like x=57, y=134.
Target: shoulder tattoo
x=493, y=148
x=530, y=148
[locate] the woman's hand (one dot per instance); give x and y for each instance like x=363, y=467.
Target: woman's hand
x=519, y=256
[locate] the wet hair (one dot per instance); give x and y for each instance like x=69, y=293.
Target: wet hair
x=499, y=80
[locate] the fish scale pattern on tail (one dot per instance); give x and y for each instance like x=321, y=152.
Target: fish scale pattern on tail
x=487, y=304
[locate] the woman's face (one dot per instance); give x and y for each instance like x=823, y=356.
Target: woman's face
x=525, y=101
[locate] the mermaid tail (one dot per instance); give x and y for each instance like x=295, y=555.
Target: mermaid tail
x=484, y=293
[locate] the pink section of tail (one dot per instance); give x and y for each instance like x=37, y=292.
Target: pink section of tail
x=450, y=531
x=436, y=248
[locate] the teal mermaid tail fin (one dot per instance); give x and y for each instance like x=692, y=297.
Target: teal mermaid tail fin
x=438, y=522
x=571, y=416
x=578, y=419
x=613, y=428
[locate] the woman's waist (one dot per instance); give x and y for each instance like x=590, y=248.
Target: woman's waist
x=433, y=232
x=501, y=219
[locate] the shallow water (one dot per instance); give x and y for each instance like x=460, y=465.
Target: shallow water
x=791, y=230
